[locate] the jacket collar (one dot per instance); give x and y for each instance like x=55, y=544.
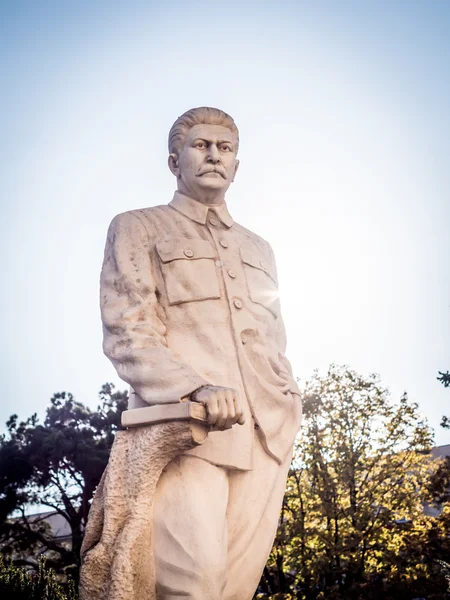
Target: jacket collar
x=196, y=211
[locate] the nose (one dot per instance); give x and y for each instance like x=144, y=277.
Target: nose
x=213, y=154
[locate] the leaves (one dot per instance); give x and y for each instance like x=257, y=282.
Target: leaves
x=360, y=478
x=444, y=378
x=56, y=464
x=18, y=584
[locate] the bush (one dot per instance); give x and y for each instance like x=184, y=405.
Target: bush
x=18, y=584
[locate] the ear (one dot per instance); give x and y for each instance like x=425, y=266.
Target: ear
x=173, y=164
x=236, y=167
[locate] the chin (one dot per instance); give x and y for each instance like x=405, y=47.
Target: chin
x=213, y=183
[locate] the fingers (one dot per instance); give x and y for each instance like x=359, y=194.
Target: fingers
x=239, y=410
x=229, y=409
x=223, y=406
x=212, y=407
x=240, y=417
x=223, y=420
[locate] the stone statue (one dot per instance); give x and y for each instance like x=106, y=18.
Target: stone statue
x=191, y=312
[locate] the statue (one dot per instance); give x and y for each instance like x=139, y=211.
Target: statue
x=191, y=313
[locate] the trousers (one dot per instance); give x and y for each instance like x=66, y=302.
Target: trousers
x=213, y=527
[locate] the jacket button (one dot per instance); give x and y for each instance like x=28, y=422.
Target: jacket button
x=237, y=303
x=188, y=252
x=231, y=273
x=243, y=338
x=223, y=243
x=219, y=263
x=214, y=222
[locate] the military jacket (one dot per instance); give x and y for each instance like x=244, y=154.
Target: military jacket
x=190, y=298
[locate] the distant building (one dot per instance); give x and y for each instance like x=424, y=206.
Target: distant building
x=58, y=524
x=441, y=451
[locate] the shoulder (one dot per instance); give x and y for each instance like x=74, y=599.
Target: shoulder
x=253, y=237
x=138, y=218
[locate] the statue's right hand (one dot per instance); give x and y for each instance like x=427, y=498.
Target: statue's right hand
x=223, y=405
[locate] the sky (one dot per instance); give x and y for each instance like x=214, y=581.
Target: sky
x=344, y=117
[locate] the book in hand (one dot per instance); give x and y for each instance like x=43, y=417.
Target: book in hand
x=160, y=413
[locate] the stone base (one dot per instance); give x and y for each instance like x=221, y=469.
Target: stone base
x=117, y=552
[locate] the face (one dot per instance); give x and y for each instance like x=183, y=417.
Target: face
x=207, y=163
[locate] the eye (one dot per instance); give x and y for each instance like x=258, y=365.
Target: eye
x=200, y=145
x=225, y=148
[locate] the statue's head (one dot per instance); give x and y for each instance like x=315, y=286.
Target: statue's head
x=203, y=144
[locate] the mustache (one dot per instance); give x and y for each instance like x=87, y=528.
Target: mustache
x=208, y=169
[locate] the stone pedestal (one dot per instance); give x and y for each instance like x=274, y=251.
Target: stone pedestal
x=117, y=552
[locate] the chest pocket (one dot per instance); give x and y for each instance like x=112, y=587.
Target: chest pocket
x=261, y=281
x=188, y=269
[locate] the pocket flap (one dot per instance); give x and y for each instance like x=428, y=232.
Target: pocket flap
x=258, y=262
x=184, y=249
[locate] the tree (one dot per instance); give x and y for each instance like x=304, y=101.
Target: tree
x=444, y=378
x=58, y=465
x=440, y=483
x=19, y=584
x=352, y=519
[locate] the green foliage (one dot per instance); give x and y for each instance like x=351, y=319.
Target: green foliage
x=444, y=378
x=353, y=524
x=18, y=584
x=57, y=464
x=439, y=485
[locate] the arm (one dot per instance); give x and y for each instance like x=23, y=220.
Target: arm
x=133, y=334
x=281, y=340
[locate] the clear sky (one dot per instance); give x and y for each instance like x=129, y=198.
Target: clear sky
x=344, y=115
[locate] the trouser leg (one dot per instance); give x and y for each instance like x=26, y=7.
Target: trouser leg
x=190, y=530
x=214, y=528
x=254, y=504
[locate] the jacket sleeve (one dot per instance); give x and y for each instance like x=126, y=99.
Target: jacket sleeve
x=281, y=339
x=133, y=332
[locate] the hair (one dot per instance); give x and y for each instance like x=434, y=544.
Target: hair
x=199, y=116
